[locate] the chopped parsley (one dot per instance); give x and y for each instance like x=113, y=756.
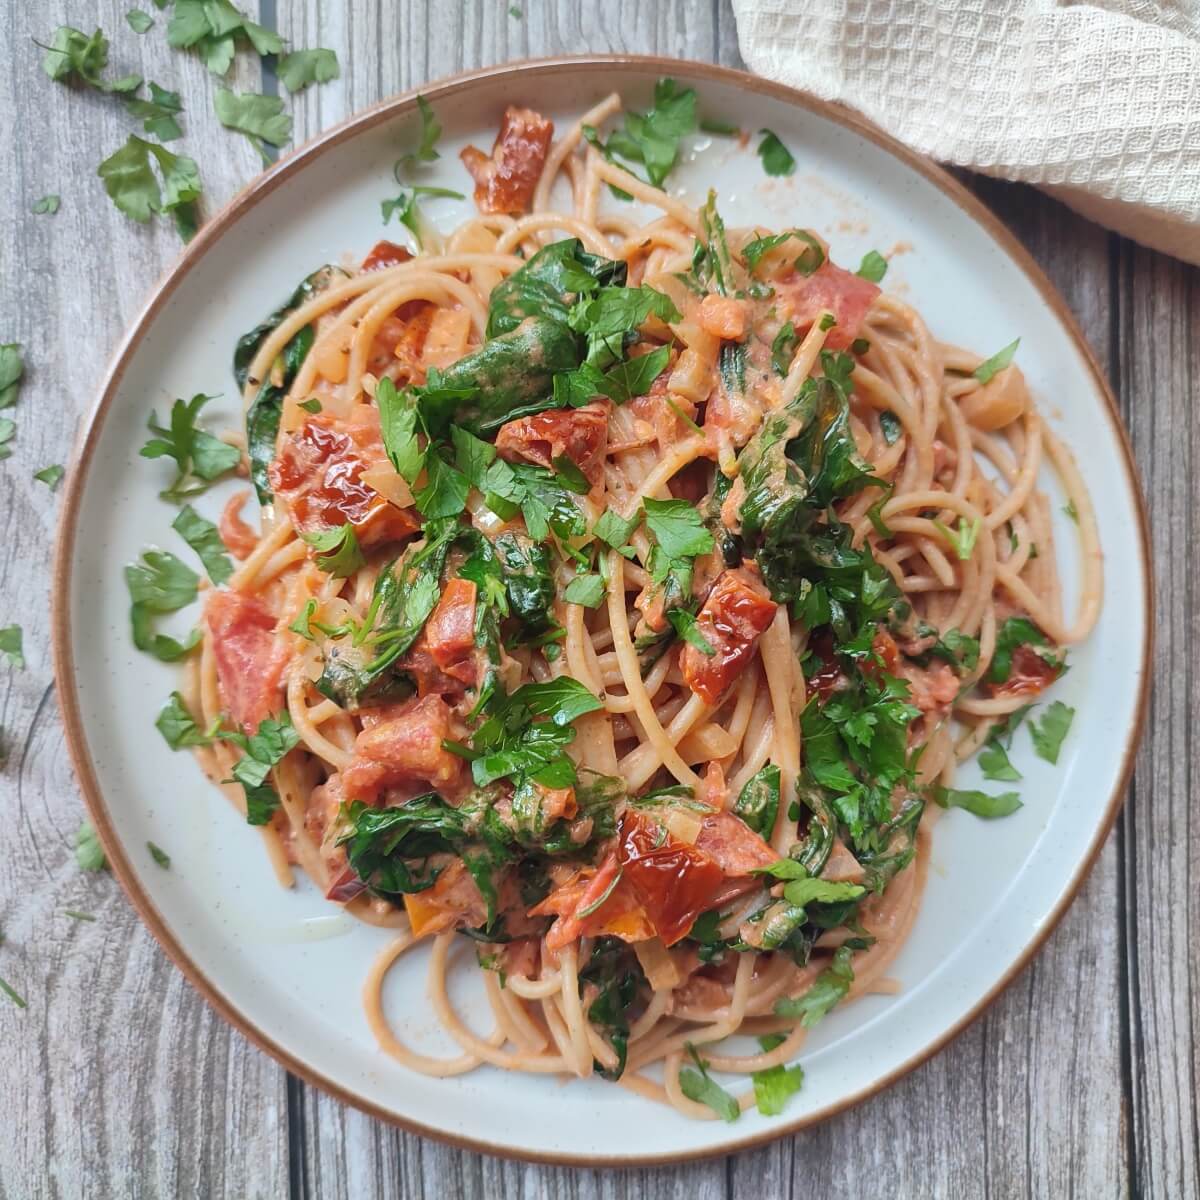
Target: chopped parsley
x=261, y=752
x=10, y=645
x=1050, y=730
x=338, y=552
x=131, y=182
x=827, y=990
x=50, y=476
x=201, y=534
x=160, y=583
x=89, y=854
x=699, y=1086
x=199, y=457
x=301, y=68
x=981, y=804
x=260, y=118
x=426, y=150
x=776, y=157
x=873, y=266
x=46, y=206
x=161, y=857
x=992, y=366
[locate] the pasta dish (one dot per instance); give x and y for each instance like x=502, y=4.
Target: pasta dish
x=626, y=592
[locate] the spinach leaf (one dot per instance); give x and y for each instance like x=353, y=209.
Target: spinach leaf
x=758, y=801
x=614, y=971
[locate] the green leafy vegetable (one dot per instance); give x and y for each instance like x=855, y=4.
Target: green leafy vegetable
x=774, y=1086
x=1049, y=732
x=303, y=67
x=338, y=551
x=158, y=113
x=50, y=476
x=260, y=118
x=199, y=457
x=615, y=973
x=46, y=206
x=178, y=727
x=130, y=181
x=11, y=370
x=587, y=590
x=73, y=55
x=201, y=534
x=758, y=801
x=11, y=639
x=991, y=366
x=89, y=854
x=160, y=583
x=979, y=803
x=827, y=990
x=677, y=527
x=161, y=857
x=615, y=530
x=653, y=138
x=873, y=266
x=214, y=28
x=261, y=753
x=404, y=207
x=431, y=131
x=699, y=1086
x=776, y=157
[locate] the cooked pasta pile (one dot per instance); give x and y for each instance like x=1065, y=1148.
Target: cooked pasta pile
x=625, y=594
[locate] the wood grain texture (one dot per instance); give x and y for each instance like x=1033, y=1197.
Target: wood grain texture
x=1081, y=1080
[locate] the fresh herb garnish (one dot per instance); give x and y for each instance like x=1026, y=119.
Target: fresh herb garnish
x=11, y=637
x=828, y=989
x=301, y=68
x=130, y=181
x=776, y=157
x=981, y=804
x=178, y=727
x=774, y=1086
x=338, y=552
x=76, y=915
x=677, y=527
x=89, y=854
x=1017, y=631
x=1048, y=732
x=587, y=590
x=261, y=752
x=260, y=118
x=158, y=114
x=806, y=262
x=139, y=21
x=758, y=802
x=160, y=583
x=46, y=206
x=653, y=138
x=992, y=366
x=73, y=55
x=962, y=539
x=684, y=624
x=12, y=368
x=161, y=857
x=1071, y=511
x=873, y=266
x=201, y=534
x=890, y=426
x=50, y=476
x=199, y=457
x=213, y=28
x=699, y=1086
x=431, y=131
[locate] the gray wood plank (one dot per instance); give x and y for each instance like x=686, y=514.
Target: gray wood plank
x=1158, y=368
x=118, y=1080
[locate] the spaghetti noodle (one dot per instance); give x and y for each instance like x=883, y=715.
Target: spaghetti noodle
x=624, y=594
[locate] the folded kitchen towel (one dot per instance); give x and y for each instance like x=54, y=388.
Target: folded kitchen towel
x=1097, y=103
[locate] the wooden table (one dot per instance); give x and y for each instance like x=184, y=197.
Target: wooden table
x=118, y=1080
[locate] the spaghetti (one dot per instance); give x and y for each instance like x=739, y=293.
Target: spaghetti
x=624, y=594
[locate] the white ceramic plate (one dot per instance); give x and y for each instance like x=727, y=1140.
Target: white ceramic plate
x=285, y=967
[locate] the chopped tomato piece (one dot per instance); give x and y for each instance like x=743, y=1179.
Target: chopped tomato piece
x=733, y=845
x=318, y=474
x=250, y=660
x=404, y=745
x=723, y=316
x=235, y=533
x=595, y=904
x=449, y=634
x=320, y=820
x=674, y=882
x=579, y=433
x=736, y=613
x=803, y=298
x=505, y=180
x=385, y=254
x=1029, y=675
x=454, y=899
x=400, y=340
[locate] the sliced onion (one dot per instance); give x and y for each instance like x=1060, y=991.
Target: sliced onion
x=381, y=477
x=684, y=826
x=661, y=973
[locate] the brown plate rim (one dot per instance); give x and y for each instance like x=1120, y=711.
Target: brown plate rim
x=245, y=200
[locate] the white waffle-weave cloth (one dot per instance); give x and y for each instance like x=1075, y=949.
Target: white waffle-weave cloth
x=1097, y=103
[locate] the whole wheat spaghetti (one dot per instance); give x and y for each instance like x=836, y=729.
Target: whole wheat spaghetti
x=625, y=593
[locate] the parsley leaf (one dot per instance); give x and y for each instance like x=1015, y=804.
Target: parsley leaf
x=139, y=21
x=981, y=804
x=587, y=590
x=160, y=583
x=8, y=428
x=50, y=475
x=178, y=727
x=158, y=113
x=11, y=645
x=774, y=1086
x=653, y=138
x=1016, y=631
x=213, y=28
x=161, y=857
x=262, y=751
x=338, y=553
x=72, y=53
x=827, y=989
x=404, y=207
x=201, y=534
x=130, y=181
x=992, y=366
x=11, y=370
x=1049, y=732
x=806, y=262
x=996, y=765
x=260, y=118
x=199, y=457
x=303, y=67
x=873, y=266
x=46, y=206
x=698, y=1086
x=962, y=540
x=431, y=131
x=783, y=348
x=677, y=527
x=615, y=530
x=89, y=854
x=776, y=157
x=684, y=624
x=610, y=316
